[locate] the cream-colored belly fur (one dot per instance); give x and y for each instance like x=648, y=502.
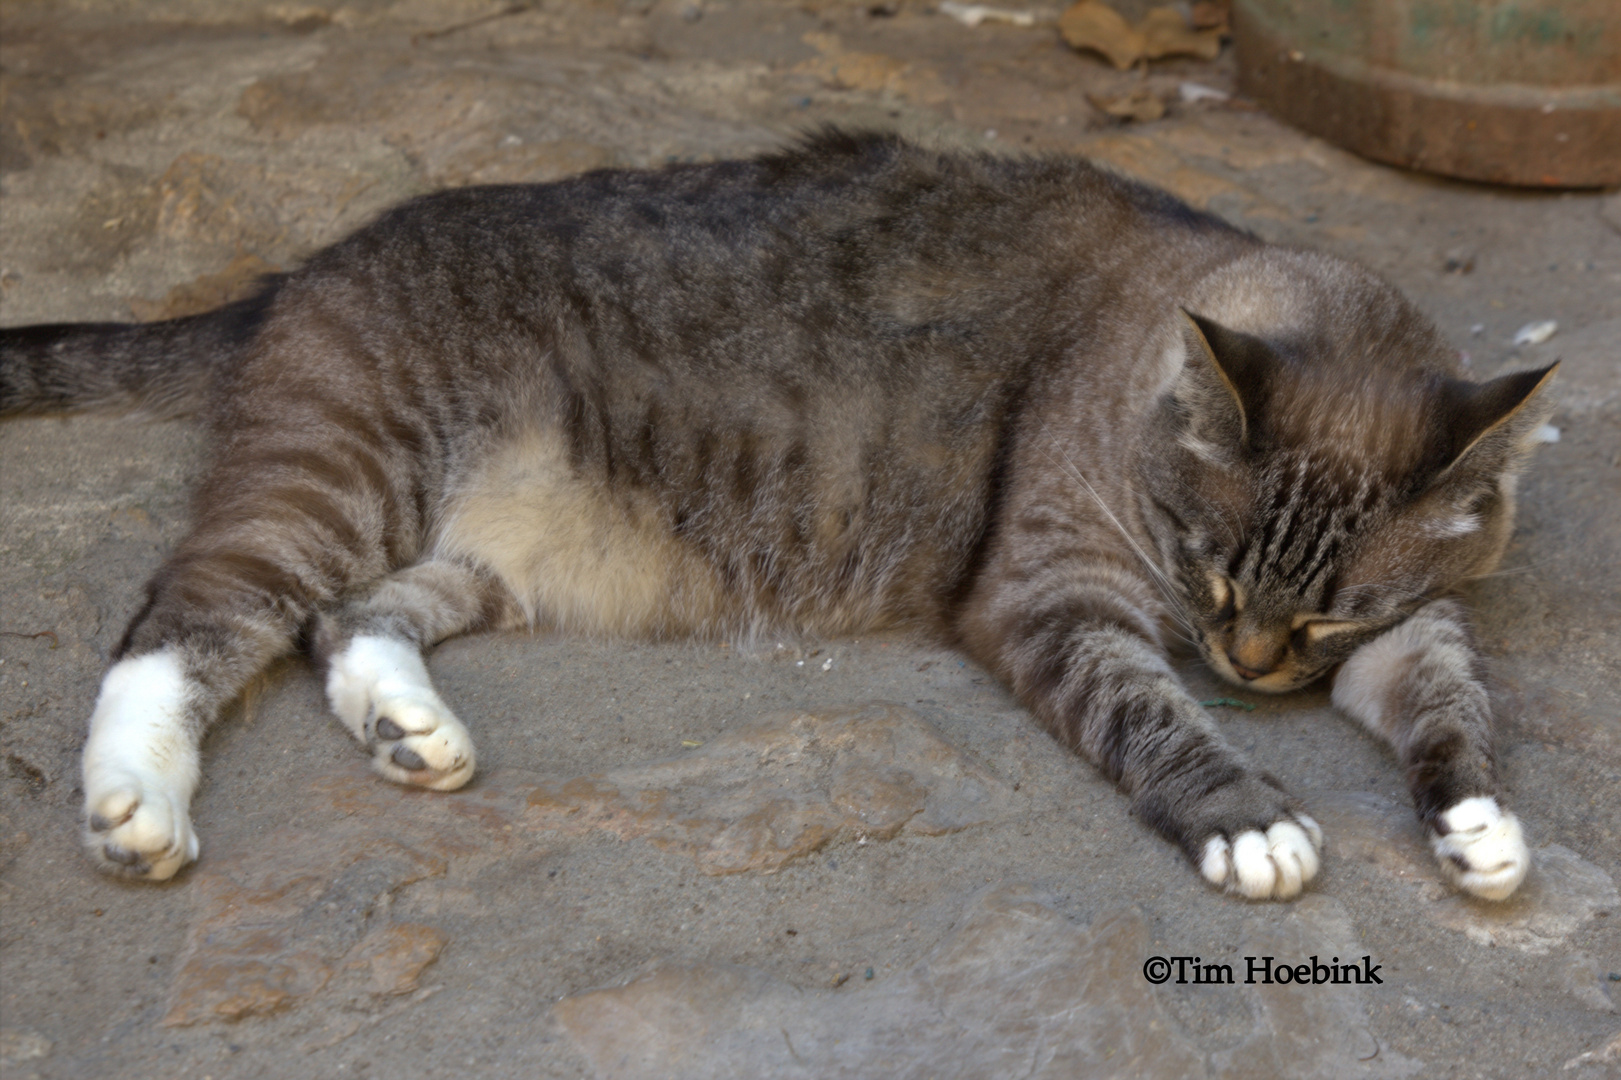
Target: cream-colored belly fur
x=575, y=557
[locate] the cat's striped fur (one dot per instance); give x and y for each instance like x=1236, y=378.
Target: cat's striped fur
x=853, y=385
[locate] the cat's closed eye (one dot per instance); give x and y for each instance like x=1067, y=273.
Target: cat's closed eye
x=1317, y=627
x=1228, y=597
x=1309, y=630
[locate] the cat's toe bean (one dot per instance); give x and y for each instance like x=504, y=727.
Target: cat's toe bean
x=1216, y=864
x=1482, y=850
x=421, y=743
x=1294, y=853
x=1254, y=874
x=114, y=809
x=138, y=830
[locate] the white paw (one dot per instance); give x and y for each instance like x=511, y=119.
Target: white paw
x=380, y=689
x=138, y=829
x=1273, y=865
x=1483, y=851
x=141, y=767
x=418, y=741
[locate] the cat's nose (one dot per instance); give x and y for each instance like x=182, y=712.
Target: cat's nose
x=1254, y=657
x=1243, y=671
x=1254, y=653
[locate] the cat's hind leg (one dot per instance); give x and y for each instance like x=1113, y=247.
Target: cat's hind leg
x=321, y=482
x=376, y=680
x=142, y=766
x=1418, y=686
x=208, y=628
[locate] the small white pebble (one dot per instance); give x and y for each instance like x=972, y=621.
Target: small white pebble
x=828, y=663
x=1546, y=433
x=799, y=663
x=973, y=14
x=1535, y=333
x=1478, y=329
x=1192, y=91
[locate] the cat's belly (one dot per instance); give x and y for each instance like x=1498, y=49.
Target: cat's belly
x=576, y=556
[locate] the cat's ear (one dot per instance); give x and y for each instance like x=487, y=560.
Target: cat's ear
x=1223, y=386
x=1486, y=427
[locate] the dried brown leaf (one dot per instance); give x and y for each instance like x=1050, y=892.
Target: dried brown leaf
x=1097, y=26
x=1166, y=33
x=1212, y=15
x=1141, y=105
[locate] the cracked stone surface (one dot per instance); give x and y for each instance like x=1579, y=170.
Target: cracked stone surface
x=783, y=788
x=299, y=917
x=1016, y=990
x=269, y=937
x=655, y=840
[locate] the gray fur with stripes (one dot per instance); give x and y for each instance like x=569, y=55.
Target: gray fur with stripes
x=1022, y=406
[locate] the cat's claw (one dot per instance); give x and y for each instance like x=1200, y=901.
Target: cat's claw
x=137, y=830
x=1274, y=865
x=418, y=741
x=1482, y=850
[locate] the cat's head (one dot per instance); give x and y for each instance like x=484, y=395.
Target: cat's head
x=1324, y=486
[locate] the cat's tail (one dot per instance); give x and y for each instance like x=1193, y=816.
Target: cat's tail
x=160, y=370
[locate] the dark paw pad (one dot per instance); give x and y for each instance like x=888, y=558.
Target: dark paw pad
x=116, y=854
x=406, y=758
x=388, y=729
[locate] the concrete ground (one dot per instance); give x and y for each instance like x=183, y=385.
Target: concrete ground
x=686, y=861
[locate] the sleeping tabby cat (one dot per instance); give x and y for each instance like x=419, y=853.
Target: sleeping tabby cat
x=1051, y=417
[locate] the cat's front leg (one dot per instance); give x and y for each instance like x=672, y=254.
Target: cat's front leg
x=1121, y=706
x=1083, y=659
x=1419, y=687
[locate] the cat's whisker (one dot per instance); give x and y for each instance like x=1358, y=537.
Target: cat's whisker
x=1371, y=589
x=1166, y=587
x=1511, y=571
x=1226, y=523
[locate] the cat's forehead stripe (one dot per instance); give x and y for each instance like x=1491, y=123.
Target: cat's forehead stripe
x=1310, y=509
